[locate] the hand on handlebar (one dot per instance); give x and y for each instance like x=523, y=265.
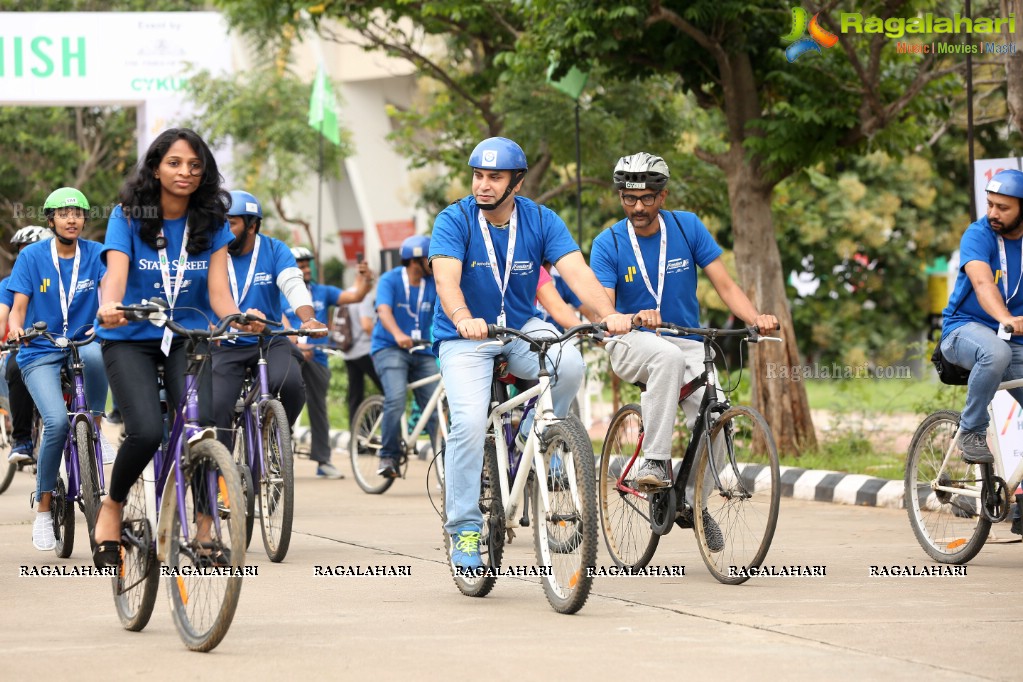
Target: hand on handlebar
x=1012, y=325
x=474, y=329
x=315, y=328
x=14, y=334
x=618, y=324
x=110, y=317
x=651, y=318
x=767, y=323
x=252, y=322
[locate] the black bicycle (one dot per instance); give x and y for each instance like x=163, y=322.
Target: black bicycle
x=730, y=465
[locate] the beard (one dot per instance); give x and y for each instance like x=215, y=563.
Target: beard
x=1003, y=229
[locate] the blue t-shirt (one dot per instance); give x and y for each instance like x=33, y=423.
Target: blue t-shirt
x=616, y=267
x=391, y=292
x=980, y=243
x=324, y=296
x=145, y=280
x=6, y=296
x=263, y=294
x=35, y=277
x=541, y=236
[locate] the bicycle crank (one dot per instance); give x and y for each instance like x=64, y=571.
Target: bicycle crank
x=994, y=495
x=663, y=505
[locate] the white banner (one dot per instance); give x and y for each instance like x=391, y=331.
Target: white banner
x=1008, y=426
x=983, y=171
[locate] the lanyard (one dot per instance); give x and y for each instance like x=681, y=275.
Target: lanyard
x=513, y=223
x=172, y=294
x=660, y=261
x=248, y=277
x=65, y=300
x=408, y=298
x=1005, y=269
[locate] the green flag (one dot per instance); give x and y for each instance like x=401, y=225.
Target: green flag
x=323, y=108
x=573, y=82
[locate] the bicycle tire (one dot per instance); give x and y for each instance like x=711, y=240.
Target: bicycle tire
x=745, y=511
x=138, y=578
x=89, y=497
x=9, y=468
x=624, y=515
x=364, y=446
x=439, y=441
x=947, y=526
x=491, y=546
x=63, y=512
x=211, y=481
x=277, y=482
x=12, y=468
x=241, y=460
x=568, y=528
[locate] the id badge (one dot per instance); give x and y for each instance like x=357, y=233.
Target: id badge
x=165, y=345
x=303, y=339
x=416, y=335
x=502, y=320
x=1002, y=334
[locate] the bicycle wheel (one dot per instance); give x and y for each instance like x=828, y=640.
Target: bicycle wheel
x=88, y=496
x=491, y=546
x=245, y=476
x=947, y=525
x=138, y=576
x=624, y=510
x=8, y=468
x=206, y=559
x=8, y=476
x=565, y=534
x=737, y=520
x=63, y=512
x=439, y=441
x=277, y=482
x=365, y=443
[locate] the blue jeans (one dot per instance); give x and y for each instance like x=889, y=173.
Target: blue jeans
x=991, y=360
x=396, y=368
x=42, y=377
x=467, y=376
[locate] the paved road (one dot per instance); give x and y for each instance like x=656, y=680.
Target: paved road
x=845, y=625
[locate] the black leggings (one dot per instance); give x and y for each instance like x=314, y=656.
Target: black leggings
x=131, y=370
x=283, y=374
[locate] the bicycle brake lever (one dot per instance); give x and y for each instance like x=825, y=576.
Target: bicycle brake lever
x=497, y=342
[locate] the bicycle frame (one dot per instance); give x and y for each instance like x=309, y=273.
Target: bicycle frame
x=434, y=403
x=974, y=491
x=78, y=411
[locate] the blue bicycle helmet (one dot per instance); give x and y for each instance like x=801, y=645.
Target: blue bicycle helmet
x=243, y=203
x=500, y=154
x=416, y=246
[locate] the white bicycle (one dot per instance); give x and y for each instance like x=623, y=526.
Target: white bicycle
x=556, y=468
x=952, y=504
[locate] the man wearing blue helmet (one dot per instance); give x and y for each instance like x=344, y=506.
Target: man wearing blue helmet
x=986, y=298
x=406, y=297
x=487, y=250
x=260, y=270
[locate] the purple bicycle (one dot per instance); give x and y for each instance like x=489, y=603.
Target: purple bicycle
x=83, y=480
x=185, y=511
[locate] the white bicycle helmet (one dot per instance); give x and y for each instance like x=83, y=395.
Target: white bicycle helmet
x=301, y=253
x=641, y=171
x=31, y=234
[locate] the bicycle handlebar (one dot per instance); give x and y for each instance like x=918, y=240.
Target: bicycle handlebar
x=156, y=306
x=597, y=330
x=39, y=331
x=751, y=333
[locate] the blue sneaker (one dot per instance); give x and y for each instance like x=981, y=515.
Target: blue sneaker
x=21, y=452
x=465, y=549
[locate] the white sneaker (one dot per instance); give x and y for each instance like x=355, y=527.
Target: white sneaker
x=42, y=532
x=109, y=453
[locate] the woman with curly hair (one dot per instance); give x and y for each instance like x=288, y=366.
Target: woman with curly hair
x=168, y=238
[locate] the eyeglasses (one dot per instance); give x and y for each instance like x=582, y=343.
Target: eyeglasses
x=631, y=199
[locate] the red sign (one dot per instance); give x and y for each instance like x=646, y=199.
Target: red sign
x=353, y=241
x=394, y=232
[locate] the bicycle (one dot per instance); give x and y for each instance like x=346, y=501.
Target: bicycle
x=83, y=480
x=186, y=492
x=268, y=457
x=739, y=487
x=29, y=465
x=367, y=435
x=952, y=504
x=565, y=534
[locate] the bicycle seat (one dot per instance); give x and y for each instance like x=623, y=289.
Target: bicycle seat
x=501, y=374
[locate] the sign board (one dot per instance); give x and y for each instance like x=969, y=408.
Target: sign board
x=110, y=59
x=983, y=171
x=1008, y=426
x=393, y=233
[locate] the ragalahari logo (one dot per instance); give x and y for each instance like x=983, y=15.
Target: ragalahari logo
x=819, y=37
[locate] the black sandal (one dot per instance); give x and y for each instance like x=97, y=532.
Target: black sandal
x=107, y=554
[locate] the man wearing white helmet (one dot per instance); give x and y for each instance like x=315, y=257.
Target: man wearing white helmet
x=985, y=300
x=648, y=264
x=315, y=371
x=20, y=398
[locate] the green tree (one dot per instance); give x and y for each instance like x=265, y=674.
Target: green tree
x=777, y=118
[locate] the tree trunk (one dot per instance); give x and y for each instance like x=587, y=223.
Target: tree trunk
x=782, y=401
x=1014, y=64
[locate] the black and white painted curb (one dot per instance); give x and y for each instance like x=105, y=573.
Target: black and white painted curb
x=831, y=486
